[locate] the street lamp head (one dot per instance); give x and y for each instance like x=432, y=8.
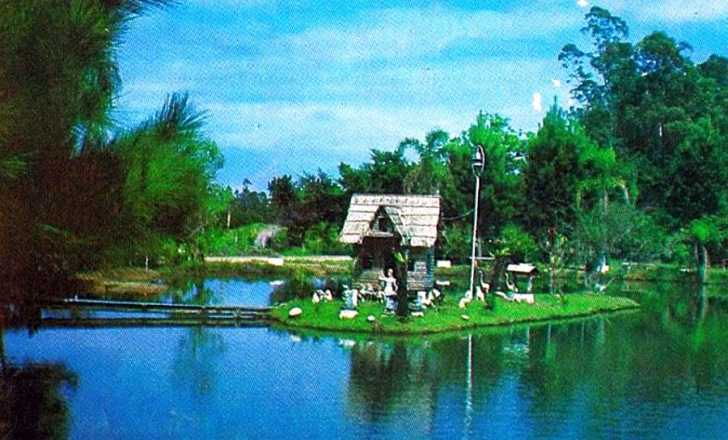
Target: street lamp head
x=478, y=160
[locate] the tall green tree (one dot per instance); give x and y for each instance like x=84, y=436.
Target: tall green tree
x=599, y=74
x=284, y=196
x=169, y=166
x=76, y=191
x=553, y=173
x=250, y=206
x=642, y=99
x=313, y=209
x=428, y=174
x=502, y=189
x=384, y=174
x=665, y=117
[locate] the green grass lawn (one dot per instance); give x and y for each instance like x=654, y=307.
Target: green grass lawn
x=448, y=317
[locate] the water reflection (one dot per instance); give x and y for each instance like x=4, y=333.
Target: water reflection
x=33, y=404
x=657, y=373
x=383, y=376
x=623, y=375
x=199, y=354
x=221, y=291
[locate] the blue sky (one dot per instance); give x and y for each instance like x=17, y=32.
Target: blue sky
x=294, y=86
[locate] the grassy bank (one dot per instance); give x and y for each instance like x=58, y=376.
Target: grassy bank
x=448, y=317
x=262, y=266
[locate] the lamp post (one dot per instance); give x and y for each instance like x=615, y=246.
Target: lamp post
x=478, y=164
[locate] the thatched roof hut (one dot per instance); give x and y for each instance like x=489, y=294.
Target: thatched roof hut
x=414, y=218
x=379, y=225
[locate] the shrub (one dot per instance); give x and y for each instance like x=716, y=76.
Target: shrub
x=299, y=284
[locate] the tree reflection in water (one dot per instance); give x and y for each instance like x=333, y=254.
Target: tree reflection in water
x=399, y=384
x=32, y=401
x=192, y=291
x=391, y=384
x=632, y=370
x=200, y=352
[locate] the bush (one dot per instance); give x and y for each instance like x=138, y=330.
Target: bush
x=517, y=243
x=238, y=241
x=280, y=241
x=299, y=284
x=454, y=243
x=490, y=302
x=323, y=239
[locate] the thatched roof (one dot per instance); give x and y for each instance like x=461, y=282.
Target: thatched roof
x=414, y=218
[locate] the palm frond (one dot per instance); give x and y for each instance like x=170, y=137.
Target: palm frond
x=131, y=8
x=13, y=167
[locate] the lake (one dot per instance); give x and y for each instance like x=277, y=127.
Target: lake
x=656, y=373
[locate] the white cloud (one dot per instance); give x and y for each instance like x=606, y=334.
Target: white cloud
x=537, y=102
x=234, y=3
x=683, y=10
x=400, y=33
x=675, y=11
x=325, y=126
x=329, y=86
x=295, y=138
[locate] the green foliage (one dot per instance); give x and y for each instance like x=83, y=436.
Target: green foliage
x=457, y=189
x=218, y=205
x=385, y=174
x=62, y=179
x=559, y=159
x=699, y=174
x=280, y=240
x=666, y=119
x=704, y=230
x=238, y=241
x=454, y=242
x=283, y=196
x=638, y=171
x=310, y=210
x=517, y=243
x=502, y=183
x=323, y=238
x=658, y=110
x=429, y=174
x=169, y=167
x=250, y=207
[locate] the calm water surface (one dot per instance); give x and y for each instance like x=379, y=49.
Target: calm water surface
x=657, y=373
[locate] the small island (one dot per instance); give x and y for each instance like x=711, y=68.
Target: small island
x=396, y=291
x=448, y=316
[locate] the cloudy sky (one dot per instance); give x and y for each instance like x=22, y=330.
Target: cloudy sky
x=291, y=86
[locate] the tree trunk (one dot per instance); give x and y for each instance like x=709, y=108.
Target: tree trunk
x=552, y=286
x=402, y=292
x=625, y=193
x=703, y=259
x=499, y=267
x=702, y=304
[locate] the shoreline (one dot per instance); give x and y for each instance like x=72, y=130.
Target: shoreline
x=448, y=317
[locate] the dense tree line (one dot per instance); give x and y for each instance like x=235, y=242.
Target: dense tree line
x=637, y=170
